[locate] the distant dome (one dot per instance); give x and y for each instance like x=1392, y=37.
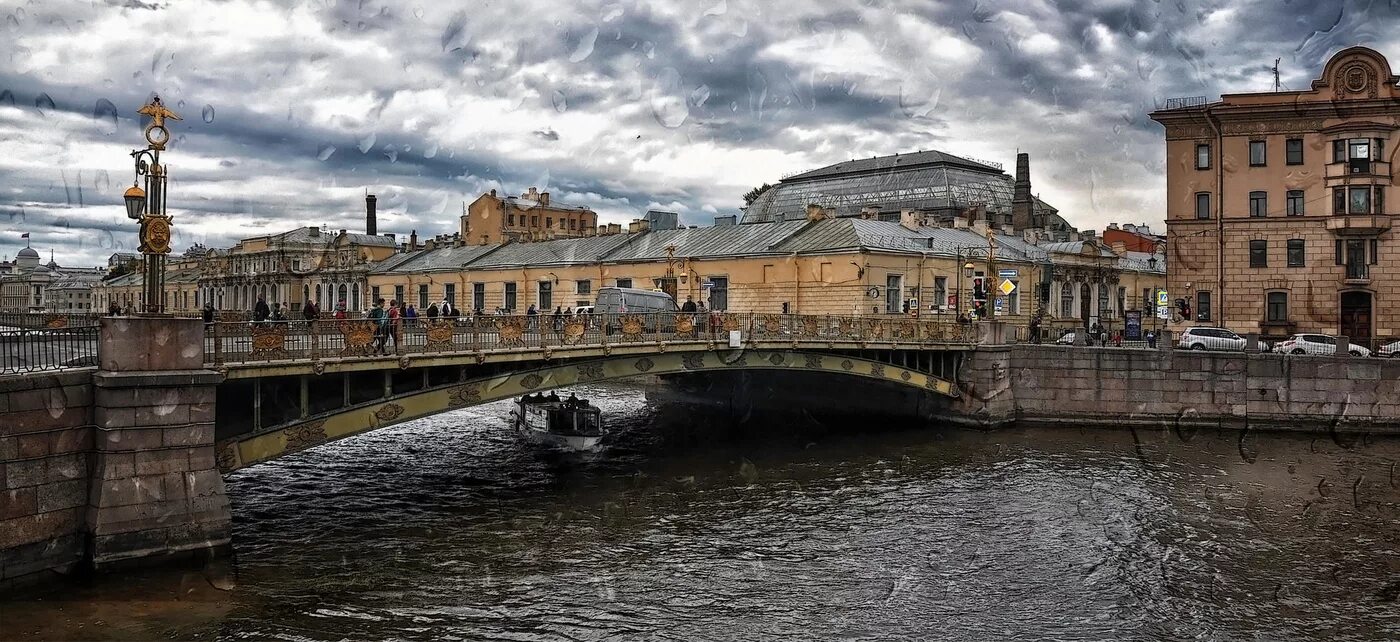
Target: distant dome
x=27, y=253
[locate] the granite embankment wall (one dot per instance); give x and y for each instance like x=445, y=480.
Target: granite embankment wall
x=46, y=438
x=1120, y=387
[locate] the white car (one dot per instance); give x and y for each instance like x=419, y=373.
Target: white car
x=1066, y=339
x=1210, y=339
x=1391, y=349
x=1317, y=344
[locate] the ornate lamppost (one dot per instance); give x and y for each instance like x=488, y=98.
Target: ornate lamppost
x=148, y=205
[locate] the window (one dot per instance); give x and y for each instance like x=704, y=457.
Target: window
x=1203, y=306
x=1276, y=310
x=1375, y=247
x=1122, y=300
x=1340, y=247
x=894, y=287
x=509, y=304
x=1258, y=254
x=1293, y=151
x=940, y=291
x=1203, y=156
x=1339, y=151
x=534, y=221
x=510, y=220
x=1380, y=200
x=1359, y=156
x=1360, y=201
x=1066, y=300
x=449, y=293
x=423, y=296
x=374, y=294
x=624, y=283
x=1339, y=200
x=549, y=221
x=398, y=294
x=1202, y=204
x=1295, y=253
x=719, y=293
x=546, y=295
x=1258, y=204
x=1257, y=153
x=585, y=286
x=1295, y=202
x=573, y=223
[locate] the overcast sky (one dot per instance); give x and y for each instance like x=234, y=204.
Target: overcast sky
x=292, y=110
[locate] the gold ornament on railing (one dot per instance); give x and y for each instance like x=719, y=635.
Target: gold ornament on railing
x=633, y=327
x=685, y=325
x=358, y=335
x=269, y=341
x=511, y=333
x=439, y=335
x=574, y=329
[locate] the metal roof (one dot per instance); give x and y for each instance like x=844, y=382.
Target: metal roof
x=727, y=240
x=524, y=203
x=892, y=162
x=443, y=258
x=581, y=250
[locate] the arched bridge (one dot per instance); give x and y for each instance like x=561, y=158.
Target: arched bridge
x=314, y=382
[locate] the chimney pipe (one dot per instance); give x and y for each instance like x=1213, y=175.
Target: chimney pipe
x=370, y=203
x=413, y=241
x=1022, y=205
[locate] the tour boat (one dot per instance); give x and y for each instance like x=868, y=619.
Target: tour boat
x=569, y=424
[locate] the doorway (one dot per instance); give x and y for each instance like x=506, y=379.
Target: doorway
x=1085, y=304
x=1356, y=317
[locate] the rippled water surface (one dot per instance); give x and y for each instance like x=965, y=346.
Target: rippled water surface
x=449, y=528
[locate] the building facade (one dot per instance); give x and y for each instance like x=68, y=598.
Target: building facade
x=26, y=285
x=532, y=216
x=1278, y=216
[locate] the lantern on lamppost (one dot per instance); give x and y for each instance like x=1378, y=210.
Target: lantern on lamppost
x=148, y=205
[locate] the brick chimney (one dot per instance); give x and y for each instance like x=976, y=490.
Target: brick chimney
x=815, y=212
x=371, y=228
x=413, y=241
x=544, y=198
x=910, y=220
x=1022, y=204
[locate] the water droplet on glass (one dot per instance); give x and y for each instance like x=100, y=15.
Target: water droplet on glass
x=367, y=143
x=668, y=99
x=918, y=97
x=584, y=49
x=612, y=12
x=430, y=151
x=101, y=181
x=325, y=151
x=7, y=99
x=105, y=112
x=391, y=153
x=649, y=50
x=42, y=102
x=454, y=29
x=418, y=12
x=207, y=113
x=561, y=104
x=719, y=8
x=700, y=95
x=361, y=25
x=12, y=22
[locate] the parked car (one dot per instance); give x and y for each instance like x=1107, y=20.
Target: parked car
x=1210, y=339
x=633, y=301
x=1317, y=344
x=1066, y=339
x=1389, y=350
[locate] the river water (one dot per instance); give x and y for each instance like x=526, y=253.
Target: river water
x=450, y=529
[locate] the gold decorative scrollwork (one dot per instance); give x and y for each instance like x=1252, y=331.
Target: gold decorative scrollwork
x=810, y=327
x=730, y=323
x=905, y=330
x=269, y=341
x=633, y=327
x=468, y=395
x=439, y=335
x=574, y=329
x=389, y=412
x=227, y=458
x=772, y=324
x=685, y=325
x=358, y=335
x=511, y=333
x=848, y=327
x=305, y=435
x=875, y=329
x=56, y=322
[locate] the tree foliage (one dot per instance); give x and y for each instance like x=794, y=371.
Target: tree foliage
x=753, y=194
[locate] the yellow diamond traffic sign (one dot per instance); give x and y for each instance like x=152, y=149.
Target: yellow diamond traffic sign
x=1007, y=287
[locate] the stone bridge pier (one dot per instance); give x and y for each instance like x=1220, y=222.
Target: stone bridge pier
x=156, y=489
x=105, y=468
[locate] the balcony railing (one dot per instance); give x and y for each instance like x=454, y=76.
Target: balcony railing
x=1358, y=169
x=1358, y=274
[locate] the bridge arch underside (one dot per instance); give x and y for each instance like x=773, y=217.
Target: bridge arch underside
x=296, y=426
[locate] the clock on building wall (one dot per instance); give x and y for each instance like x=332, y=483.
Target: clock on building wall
x=873, y=292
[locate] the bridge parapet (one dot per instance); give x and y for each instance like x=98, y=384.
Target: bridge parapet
x=229, y=343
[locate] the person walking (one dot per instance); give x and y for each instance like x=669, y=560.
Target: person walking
x=432, y=312
x=208, y=313
x=410, y=315
x=689, y=305
x=260, y=310
x=340, y=310
x=558, y=321
x=381, y=326
x=531, y=319
x=395, y=324
x=310, y=311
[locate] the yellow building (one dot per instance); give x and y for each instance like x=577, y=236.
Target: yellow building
x=1277, y=216
x=532, y=216
x=835, y=266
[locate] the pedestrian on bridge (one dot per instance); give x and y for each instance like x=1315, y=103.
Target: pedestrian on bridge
x=340, y=310
x=310, y=311
x=381, y=326
x=558, y=321
x=261, y=311
x=395, y=324
x=432, y=312
x=410, y=315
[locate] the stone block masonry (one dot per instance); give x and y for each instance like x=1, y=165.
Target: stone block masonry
x=114, y=465
x=1122, y=387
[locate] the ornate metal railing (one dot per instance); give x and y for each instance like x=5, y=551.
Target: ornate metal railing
x=46, y=349
x=47, y=320
x=243, y=341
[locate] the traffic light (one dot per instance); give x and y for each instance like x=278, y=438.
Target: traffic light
x=979, y=293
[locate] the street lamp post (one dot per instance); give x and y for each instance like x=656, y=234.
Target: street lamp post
x=148, y=206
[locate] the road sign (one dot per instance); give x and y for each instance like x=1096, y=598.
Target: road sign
x=1008, y=274
x=1164, y=312
x=1007, y=287
x=1162, y=299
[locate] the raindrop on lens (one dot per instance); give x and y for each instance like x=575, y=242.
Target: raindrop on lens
x=367, y=143
x=42, y=102
x=668, y=98
x=105, y=112
x=325, y=152
x=585, y=45
x=208, y=113
x=561, y=104
x=431, y=151
x=7, y=99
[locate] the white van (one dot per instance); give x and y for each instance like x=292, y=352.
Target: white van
x=633, y=301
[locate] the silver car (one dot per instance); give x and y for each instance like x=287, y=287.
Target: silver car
x=1210, y=339
x=1317, y=344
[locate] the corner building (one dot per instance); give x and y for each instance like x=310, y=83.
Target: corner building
x=1278, y=205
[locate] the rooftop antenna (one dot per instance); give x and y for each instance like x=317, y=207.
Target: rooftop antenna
x=1276, y=83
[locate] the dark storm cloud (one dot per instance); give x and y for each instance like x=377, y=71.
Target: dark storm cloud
x=293, y=112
